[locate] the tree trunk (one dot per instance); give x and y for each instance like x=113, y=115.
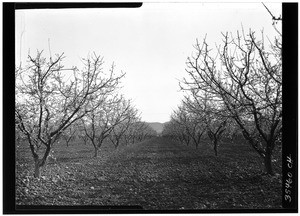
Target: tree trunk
x=117, y=144
x=37, y=167
x=39, y=163
x=268, y=164
x=216, y=147
x=96, y=153
x=197, y=145
x=85, y=141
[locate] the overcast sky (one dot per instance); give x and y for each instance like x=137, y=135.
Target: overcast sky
x=151, y=43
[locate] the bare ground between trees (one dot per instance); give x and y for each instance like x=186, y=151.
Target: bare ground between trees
x=155, y=174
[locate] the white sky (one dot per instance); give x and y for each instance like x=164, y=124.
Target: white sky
x=151, y=43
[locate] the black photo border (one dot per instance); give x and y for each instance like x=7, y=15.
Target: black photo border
x=290, y=117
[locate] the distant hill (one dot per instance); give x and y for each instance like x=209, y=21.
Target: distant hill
x=158, y=127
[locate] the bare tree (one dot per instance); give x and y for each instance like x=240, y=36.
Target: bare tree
x=193, y=127
x=214, y=119
x=144, y=131
x=232, y=132
x=125, y=116
x=215, y=129
x=81, y=133
x=208, y=114
x=176, y=131
x=99, y=123
x=199, y=111
x=245, y=77
x=138, y=131
x=69, y=134
x=50, y=98
x=170, y=132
